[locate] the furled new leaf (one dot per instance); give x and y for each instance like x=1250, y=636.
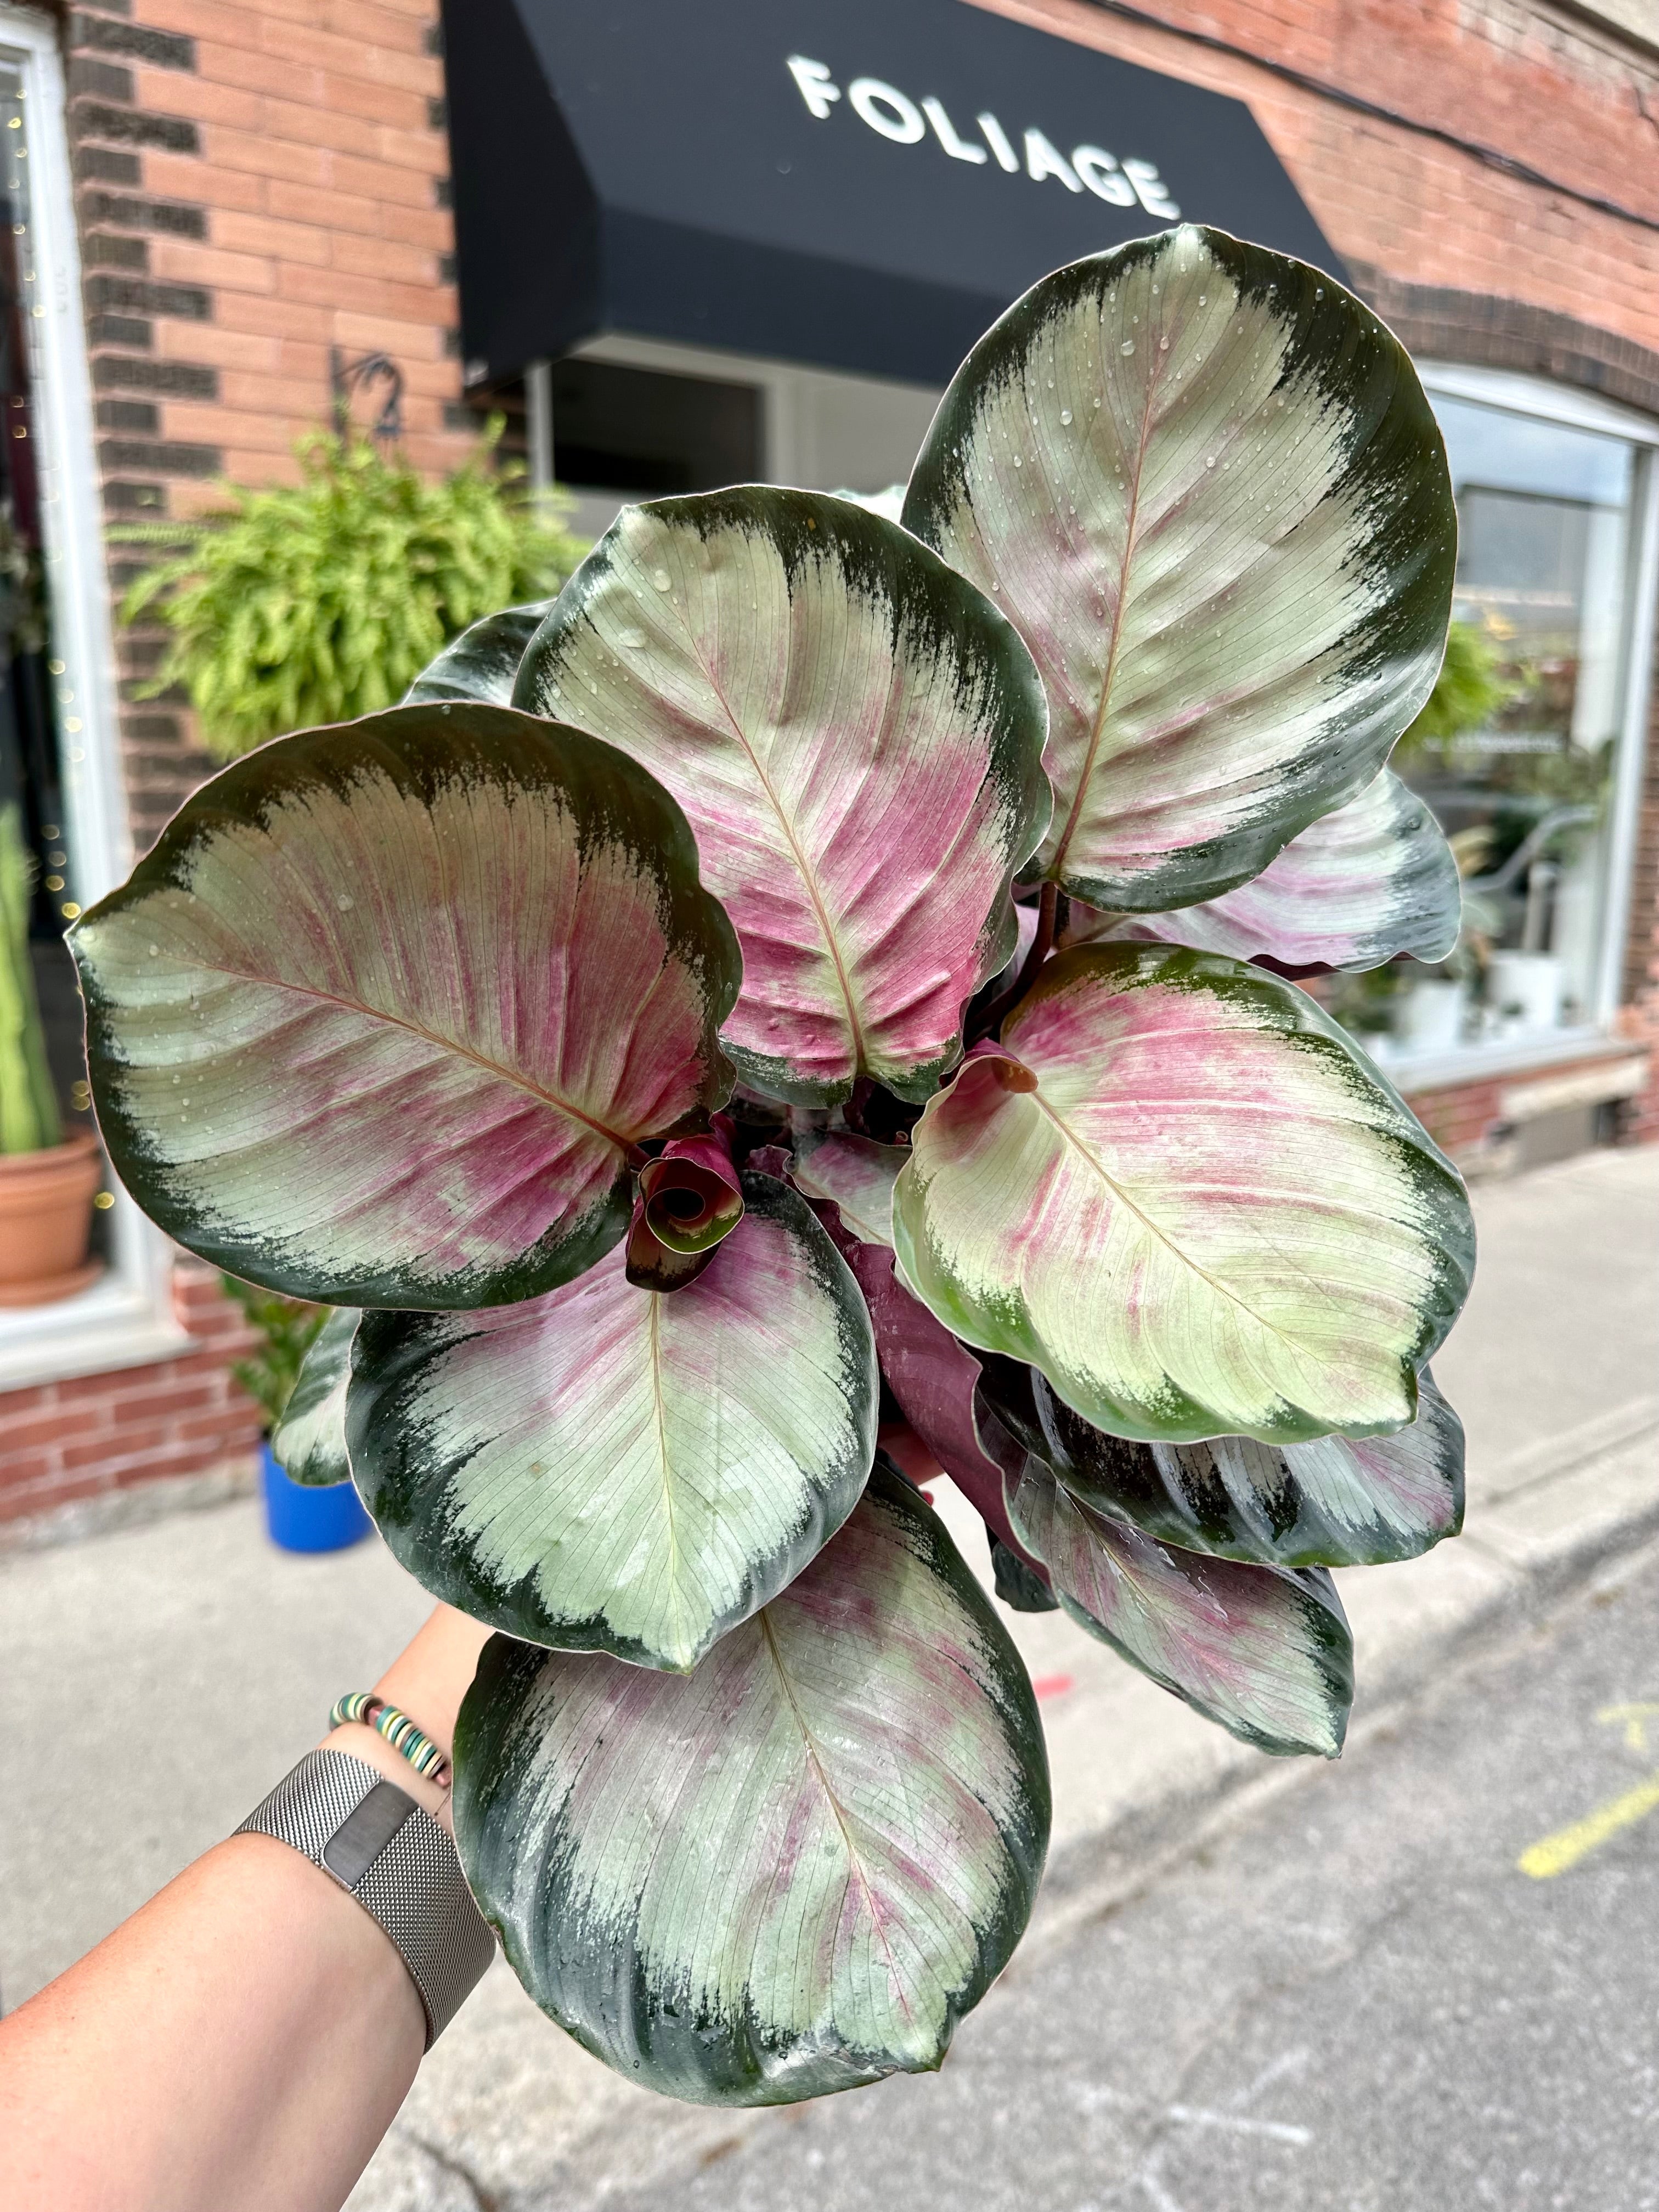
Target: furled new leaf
x=1205, y=482
x=482, y=663
x=855, y=734
x=309, y=1443
x=792, y=1871
x=1333, y=1502
x=1265, y=1652
x=607, y=1468
x=1375, y=878
x=857, y=1173
x=379, y=1017
x=1178, y=1190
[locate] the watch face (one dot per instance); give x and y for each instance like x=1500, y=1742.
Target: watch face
x=364, y=1834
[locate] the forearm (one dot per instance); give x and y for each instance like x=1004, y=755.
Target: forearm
x=245, y=2040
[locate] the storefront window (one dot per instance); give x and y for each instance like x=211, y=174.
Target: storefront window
x=1521, y=761
x=58, y=757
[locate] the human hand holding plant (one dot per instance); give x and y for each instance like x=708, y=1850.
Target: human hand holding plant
x=551, y=1020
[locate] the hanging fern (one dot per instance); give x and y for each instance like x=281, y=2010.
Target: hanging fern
x=294, y=605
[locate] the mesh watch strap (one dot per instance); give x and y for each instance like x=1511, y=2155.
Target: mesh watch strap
x=395, y=1859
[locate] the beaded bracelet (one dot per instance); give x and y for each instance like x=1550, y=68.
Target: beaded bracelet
x=398, y=1730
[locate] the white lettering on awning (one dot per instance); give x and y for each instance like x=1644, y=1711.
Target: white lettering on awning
x=945, y=131
x=997, y=139
x=1101, y=173
x=886, y=110
x=813, y=81
x=893, y=115
x=1043, y=160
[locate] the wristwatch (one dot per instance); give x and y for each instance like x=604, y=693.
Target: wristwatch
x=397, y=1861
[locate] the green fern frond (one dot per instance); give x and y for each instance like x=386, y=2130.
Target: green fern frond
x=295, y=604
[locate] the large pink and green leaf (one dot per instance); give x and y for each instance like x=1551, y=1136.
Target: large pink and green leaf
x=1333, y=1502
x=790, y=1872
x=1373, y=879
x=855, y=734
x=1204, y=482
x=1178, y=1190
x=1264, y=1651
x=607, y=1468
x=383, y=1015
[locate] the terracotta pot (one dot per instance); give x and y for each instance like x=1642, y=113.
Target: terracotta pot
x=45, y=1218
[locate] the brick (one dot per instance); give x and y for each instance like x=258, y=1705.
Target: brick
x=370, y=101
x=27, y=1401
x=171, y=1460
x=105, y=250
x=137, y=1436
x=106, y=165
x=182, y=380
x=278, y=237
x=326, y=207
x=162, y=49
x=162, y=1402
x=92, y=119
x=147, y=501
x=123, y=211
x=102, y=80
x=104, y=328
x=231, y=1429
x=216, y=342
x=132, y=294
x=211, y=102
x=53, y=1428
x=263, y=154
x=209, y=267
x=45, y=1494
x=210, y=181
x=141, y=416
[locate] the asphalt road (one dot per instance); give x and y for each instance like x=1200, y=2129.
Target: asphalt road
x=1353, y=2000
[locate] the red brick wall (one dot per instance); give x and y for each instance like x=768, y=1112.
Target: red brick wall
x=259, y=181
x=63, y=1443
x=1525, y=81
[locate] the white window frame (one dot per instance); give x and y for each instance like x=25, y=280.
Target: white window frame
x=126, y=1318
x=1561, y=404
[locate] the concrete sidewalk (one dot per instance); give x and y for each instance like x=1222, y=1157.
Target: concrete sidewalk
x=154, y=1682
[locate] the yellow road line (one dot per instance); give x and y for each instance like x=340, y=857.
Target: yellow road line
x=1554, y=1854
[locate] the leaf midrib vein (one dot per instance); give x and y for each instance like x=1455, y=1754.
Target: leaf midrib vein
x=428, y=1037
x=814, y=1761
x=1132, y=523
x=1169, y=1243
x=807, y=876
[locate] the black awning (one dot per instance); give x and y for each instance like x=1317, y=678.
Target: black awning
x=860, y=185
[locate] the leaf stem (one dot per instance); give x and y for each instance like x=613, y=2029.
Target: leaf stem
x=1042, y=945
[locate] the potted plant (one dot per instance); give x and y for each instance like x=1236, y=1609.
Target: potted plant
x=299, y=1518
x=826, y=972
x=289, y=604
x=47, y=1180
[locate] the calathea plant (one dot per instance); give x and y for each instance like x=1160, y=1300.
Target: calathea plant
x=817, y=972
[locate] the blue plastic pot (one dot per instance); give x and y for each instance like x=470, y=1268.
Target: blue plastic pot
x=303, y=1519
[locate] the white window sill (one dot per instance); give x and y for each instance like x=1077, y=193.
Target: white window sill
x=1475, y=1063
x=110, y=1326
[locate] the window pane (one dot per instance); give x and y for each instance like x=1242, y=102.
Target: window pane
x=1520, y=769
